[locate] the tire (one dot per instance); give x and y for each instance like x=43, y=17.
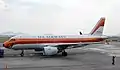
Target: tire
x=21, y=55
x=64, y=53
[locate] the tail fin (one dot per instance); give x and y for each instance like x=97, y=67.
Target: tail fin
x=98, y=29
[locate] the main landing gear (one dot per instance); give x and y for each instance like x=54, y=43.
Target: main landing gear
x=22, y=53
x=64, y=53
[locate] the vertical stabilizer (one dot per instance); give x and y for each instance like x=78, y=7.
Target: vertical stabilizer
x=98, y=29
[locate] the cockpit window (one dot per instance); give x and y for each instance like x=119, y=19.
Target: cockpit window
x=12, y=39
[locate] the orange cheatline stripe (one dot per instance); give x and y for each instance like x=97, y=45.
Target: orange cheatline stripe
x=41, y=41
x=56, y=40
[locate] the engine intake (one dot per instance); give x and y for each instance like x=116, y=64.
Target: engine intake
x=49, y=50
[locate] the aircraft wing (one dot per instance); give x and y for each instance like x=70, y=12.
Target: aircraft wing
x=75, y=45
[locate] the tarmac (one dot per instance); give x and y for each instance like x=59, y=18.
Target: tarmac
x=92, y=57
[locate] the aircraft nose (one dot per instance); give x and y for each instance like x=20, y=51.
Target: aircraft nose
x=3, y=45
x=6, y=45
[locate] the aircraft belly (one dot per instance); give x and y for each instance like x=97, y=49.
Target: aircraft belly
x=27, y=46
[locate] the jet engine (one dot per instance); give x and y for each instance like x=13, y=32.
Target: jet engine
x=49, y=50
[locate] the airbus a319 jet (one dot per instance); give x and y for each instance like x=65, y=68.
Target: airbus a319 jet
x=54, y=44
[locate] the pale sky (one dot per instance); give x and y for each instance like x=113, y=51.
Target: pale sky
x=58, y=16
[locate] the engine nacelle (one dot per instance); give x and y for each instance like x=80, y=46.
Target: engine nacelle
x=49, y=50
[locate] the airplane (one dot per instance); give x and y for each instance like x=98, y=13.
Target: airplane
x=54, y=44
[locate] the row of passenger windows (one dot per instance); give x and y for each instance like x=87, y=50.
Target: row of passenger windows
x=42, y=37
x=51, y=36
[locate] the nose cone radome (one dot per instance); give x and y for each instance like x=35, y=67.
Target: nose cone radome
x=6, y=45
x=3, y=45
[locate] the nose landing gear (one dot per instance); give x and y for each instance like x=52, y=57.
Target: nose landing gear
x=22, y=53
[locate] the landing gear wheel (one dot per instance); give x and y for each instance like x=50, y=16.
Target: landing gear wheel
x=64, y=53
x=22, y=53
